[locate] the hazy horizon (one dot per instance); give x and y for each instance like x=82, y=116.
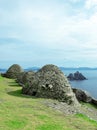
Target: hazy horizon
x=39, y=32
x=62, y=67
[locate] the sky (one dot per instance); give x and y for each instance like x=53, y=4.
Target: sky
x=39, y=32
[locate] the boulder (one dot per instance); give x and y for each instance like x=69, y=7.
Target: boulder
x=76, y=76
x=82, y=95
x=50, y=82
x=13, y=71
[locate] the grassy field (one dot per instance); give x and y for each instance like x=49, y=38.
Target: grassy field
x=20, y=112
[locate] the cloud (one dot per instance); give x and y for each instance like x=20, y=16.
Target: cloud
x=48, y=31
x=91, y=4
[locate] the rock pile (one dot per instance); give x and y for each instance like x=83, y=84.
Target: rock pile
x=76, y=76
x=50, y=82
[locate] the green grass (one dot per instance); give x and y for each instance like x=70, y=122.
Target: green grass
x=89, y=105
x=21, y=112
x=1, y=77
x=85, y=118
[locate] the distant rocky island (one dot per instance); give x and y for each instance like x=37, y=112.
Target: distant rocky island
x=76, y=76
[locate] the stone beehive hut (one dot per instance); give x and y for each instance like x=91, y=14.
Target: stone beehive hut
x=50, y=82
x=24, y=77
x=13, y=71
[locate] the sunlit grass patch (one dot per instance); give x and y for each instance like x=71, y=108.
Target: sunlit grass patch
x=1, y=77
x=15, y=124
x=50, y=127
x=90, y=105
x=85, y=118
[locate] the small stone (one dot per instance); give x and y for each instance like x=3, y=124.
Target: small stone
x=50, y=86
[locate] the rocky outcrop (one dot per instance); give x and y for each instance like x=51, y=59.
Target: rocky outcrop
x=82, y=95
x=76, y=76
x=94, y=101
x=13, y=71
x=50, y=82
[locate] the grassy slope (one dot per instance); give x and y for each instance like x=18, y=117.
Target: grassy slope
x=20, y=112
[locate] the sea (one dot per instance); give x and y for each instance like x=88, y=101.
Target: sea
x=89, y=85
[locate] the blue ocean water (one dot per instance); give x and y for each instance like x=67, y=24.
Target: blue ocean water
x=89, y=85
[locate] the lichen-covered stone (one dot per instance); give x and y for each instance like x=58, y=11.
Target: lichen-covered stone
x=13, y=71
x=50, y=82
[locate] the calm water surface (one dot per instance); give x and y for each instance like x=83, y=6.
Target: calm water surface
x=89, y=85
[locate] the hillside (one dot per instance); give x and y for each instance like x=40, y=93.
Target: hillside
x=22, y=112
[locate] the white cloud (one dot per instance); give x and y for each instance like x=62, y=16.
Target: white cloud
x=90, y=3
x=51, y=29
